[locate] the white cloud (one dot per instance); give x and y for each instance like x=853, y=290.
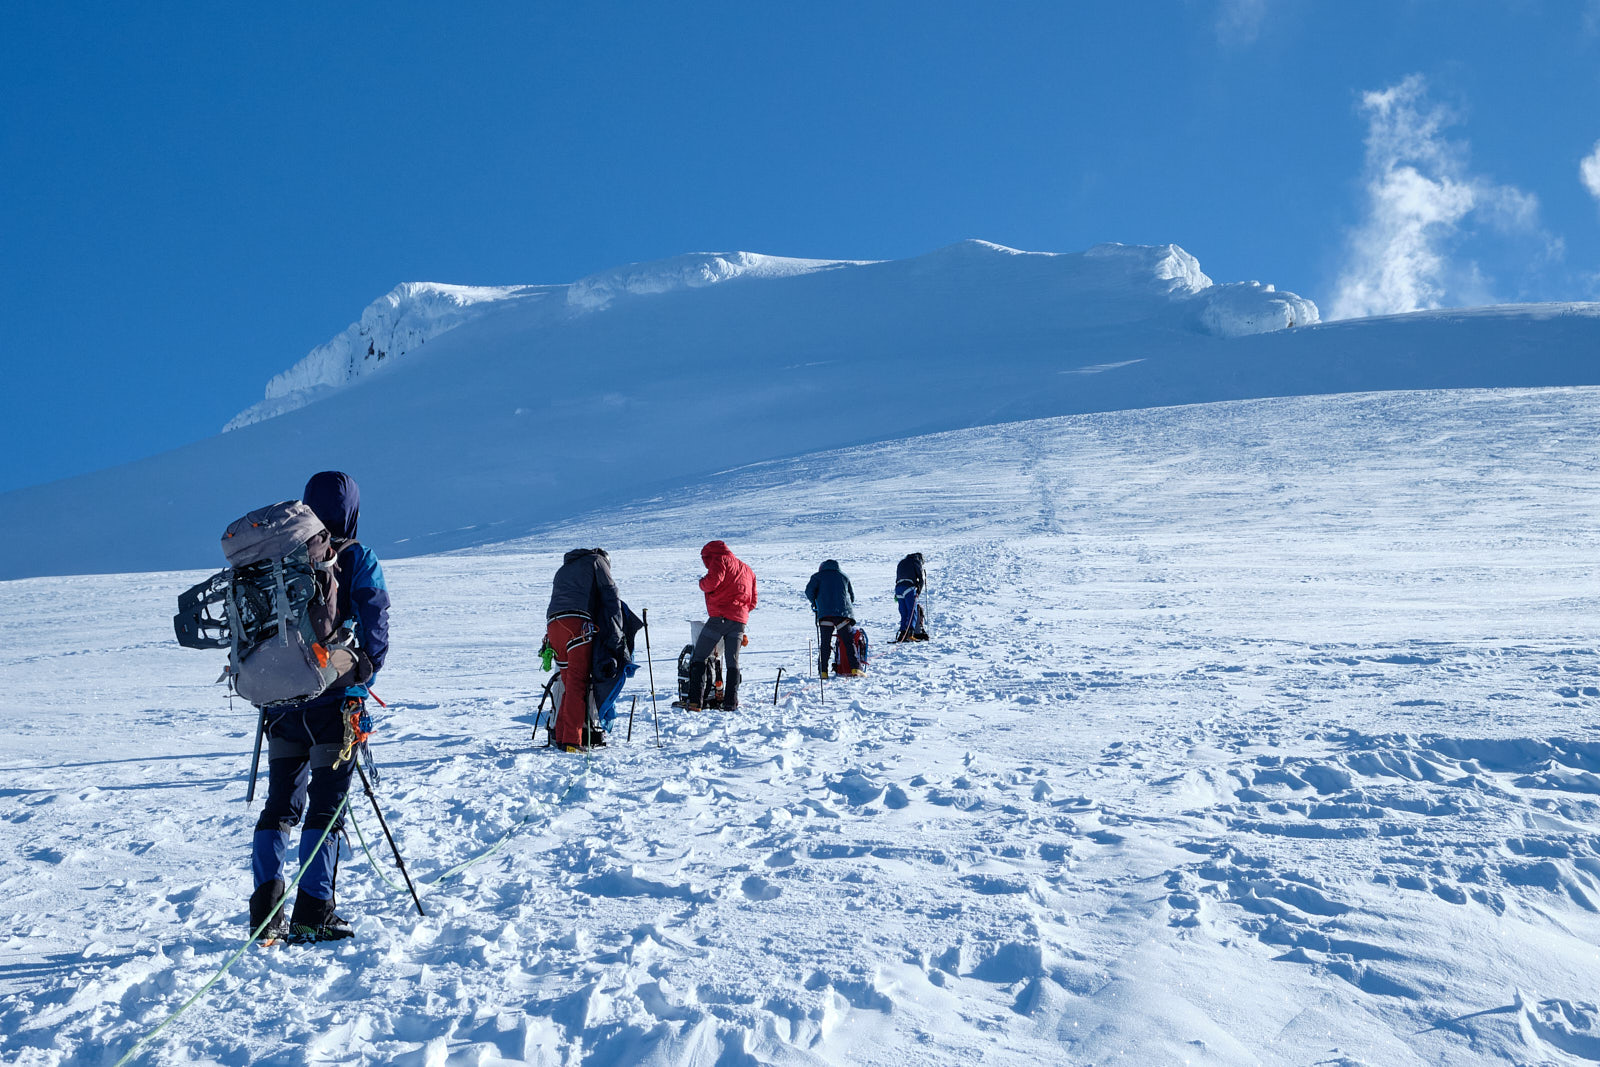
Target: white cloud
x=1239, y=21
x=1589, y=171
x=1420, y=198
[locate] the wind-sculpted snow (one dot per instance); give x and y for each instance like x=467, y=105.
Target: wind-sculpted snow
x=693, y=271
x=1245, y=308
x=398, y=322
x=1250, y=733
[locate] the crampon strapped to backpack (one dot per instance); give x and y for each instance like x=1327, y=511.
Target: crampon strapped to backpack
x=275, y=608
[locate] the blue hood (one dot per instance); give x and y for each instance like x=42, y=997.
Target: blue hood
x=336, y=499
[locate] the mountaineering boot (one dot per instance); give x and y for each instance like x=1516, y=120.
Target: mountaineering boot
x=314, y=920
x=570, y=748
x=262, y=901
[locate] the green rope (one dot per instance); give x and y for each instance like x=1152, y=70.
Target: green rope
x=494, y=847
x=226, y=967
x=588, y=759
x=515, y=829
x=376, y=866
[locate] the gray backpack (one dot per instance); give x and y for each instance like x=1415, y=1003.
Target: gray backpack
x=275, y=609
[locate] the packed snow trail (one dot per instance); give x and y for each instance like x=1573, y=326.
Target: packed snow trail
x=1261, y=733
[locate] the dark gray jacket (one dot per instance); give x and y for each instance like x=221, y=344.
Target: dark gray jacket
x=830, y=592
x=584, y=586
x=910, y=573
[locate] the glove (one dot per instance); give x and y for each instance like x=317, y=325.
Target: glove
x=364, y=669
x=606, y=666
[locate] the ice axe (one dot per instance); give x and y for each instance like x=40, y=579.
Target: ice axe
x=255, y=761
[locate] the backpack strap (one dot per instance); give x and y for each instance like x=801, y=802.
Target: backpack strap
x=282, y=600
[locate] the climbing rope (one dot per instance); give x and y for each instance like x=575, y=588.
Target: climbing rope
x=376, y=866
x=493, y=846
x=226, y=967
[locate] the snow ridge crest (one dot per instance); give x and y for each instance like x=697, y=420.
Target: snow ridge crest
x=694, y=270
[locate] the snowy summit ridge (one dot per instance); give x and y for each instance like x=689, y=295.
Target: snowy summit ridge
x=1152, y=281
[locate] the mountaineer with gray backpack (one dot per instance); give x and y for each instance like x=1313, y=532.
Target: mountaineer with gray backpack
x=304, y=613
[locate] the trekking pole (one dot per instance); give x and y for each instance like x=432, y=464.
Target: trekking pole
x=633, y=708
x=255, y=762
x=650, y=659
x=777, y=682
x=392, y=846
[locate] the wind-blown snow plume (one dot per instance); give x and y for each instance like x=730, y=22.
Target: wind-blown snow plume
x=1419, y=195
x=1589, y=171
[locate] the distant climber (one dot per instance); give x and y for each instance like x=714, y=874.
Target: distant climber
x=730, y=588
x=584, y=625
x=310, y=745
x=910, y=582
x=833, y=600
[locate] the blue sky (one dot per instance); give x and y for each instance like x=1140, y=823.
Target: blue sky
x=193, y=196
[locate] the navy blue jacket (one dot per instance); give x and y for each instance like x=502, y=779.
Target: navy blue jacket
x=583, y=586
x=831, y=593
x=363, y=594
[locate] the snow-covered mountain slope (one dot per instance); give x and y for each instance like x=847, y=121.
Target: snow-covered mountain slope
x=1251, y=733
x=507, y=421
x=416, y=312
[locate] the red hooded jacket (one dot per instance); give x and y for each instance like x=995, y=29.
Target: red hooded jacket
x=729, y=584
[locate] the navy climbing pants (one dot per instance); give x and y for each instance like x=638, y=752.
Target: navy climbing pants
x=302, y=782
x=910, y=624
